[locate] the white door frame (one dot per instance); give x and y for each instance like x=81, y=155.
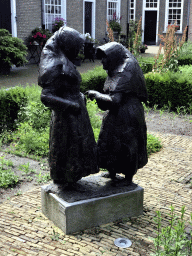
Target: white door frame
x=93, y=16
x=13, y=18
x=143, y=19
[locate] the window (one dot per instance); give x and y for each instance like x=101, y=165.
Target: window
x=53, y=9
x=113, y=7
x=175, y=13
x=151, y=3
x=132, y=10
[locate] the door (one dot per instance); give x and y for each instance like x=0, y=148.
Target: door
x=150, y=27
x=88, y=18
x=5, y=14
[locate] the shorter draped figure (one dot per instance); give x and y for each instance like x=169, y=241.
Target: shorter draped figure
x=72, y=147
x=123, y=136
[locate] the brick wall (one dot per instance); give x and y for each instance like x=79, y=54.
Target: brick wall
x=124, y=19
x=75, y=14
x=28, y=16
x=100, y=19
x=190, y=24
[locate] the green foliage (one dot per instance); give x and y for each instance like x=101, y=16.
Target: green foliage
x=133, y=24
x=25, y=168
x=7, y=177
x=43, y=178
x=153, y=144
x=93, y=80
x=35, y=36
x=58, y=23
x=115, y=26
x=185, y=56
x=146, y=64
x=12, y=49
x=11, y=101
x=95, y=117
x=169, y=88
x=30, y=140
x=172, y=239
x=36, y=114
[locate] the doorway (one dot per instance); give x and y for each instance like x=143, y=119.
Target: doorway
x=150, y=27
x=88, y=18
x=5, y=15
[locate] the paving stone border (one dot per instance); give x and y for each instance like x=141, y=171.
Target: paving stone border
x=24, y=230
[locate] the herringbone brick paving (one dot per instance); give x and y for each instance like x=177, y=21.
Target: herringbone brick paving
x=24, y=230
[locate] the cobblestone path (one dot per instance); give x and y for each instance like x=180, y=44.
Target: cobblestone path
x=166, y=180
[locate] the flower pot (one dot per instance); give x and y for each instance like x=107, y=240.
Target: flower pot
x=77, y=62
x=116, y=35
x=142, y=50
x=5, y=68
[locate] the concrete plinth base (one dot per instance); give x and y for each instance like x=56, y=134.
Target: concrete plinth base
x=71, y=214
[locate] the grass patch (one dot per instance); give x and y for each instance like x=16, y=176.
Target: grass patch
x=7, y=177
x=31, y=138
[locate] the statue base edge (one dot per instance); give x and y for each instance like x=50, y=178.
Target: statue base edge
x=84, y=214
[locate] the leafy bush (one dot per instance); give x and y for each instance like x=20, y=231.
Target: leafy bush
x=11, y=101
x=39, y=35
x=185, y=56
x=172, y=239
x=93, y=80
x=146, y=64
x=36, y=114
x=94, y=116
x=12, y=49
x=153, y=144
x=169, y=89
x=28, y=140
x=7, y=177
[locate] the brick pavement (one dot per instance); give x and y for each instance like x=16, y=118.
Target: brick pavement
x=24, y=230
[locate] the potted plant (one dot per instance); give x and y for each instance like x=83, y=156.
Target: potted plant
x=58, y=23
x=12, y=51
x=114, y=24
x=143, y=47
x=38, y=36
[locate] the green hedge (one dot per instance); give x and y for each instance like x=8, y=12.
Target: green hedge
x=169, y=88
x=11, y=100
x=93, y=79
x=185, y=56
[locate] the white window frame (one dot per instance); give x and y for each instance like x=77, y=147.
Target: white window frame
x=48, y=21
x=143, y=18
x=93, y=17
x=132, y=8
x=118, y=8
x=167, y=14
x=13, y=18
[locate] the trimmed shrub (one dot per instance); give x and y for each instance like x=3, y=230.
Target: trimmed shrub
x=11, y=101
x=93, y=80
x=185, y=56
x=169, y=88
x=12, y=50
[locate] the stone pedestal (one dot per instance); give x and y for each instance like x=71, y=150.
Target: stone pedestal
x=94, y=201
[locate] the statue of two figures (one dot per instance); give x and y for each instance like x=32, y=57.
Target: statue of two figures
x=73, y=152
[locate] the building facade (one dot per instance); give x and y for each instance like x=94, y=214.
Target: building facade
x=89, y=16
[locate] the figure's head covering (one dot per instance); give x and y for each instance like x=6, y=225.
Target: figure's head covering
x=70, y=41
x=64, y=45
x=128, y=74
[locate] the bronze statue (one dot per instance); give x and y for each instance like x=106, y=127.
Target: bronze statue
x=72, y=147
x=123, y=136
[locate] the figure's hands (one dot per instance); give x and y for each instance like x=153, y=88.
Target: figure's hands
x=91, y=94
x=75, y=108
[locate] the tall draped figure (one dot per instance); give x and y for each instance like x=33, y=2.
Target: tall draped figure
x=72, y=147
x=122, y=143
